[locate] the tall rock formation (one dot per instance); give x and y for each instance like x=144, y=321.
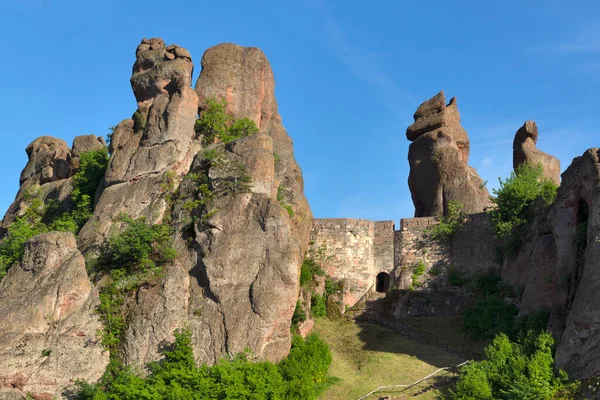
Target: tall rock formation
x=525, y=151
x=557, y=267
x=48, y=323
x=235, y=284
x=47, y=174
x=438, y=158
x=240, y=241
x=575, y=219
x=156, y=143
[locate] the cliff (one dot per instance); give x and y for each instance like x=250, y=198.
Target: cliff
x=229, y=210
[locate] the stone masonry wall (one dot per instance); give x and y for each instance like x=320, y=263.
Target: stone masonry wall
x=356, y=251
x=473, y=249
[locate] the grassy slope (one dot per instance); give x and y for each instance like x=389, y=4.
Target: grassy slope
x=366, y=356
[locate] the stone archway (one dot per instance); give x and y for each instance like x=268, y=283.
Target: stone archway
x=382, y=283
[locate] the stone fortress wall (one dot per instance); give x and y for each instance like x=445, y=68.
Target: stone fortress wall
x=357, y=250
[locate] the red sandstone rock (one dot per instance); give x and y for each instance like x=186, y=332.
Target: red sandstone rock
x=525, y=151
x=438, y=157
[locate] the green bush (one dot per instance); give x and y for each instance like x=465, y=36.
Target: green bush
x=139, y=120
x=333, y=286
x=536, y=322
x=139, y=246
x=92, y=166
x=512, y=370
x=487, y=284
x=310, y=268
x=456, y=279
x=450, y=223
x=240, y=128
x=318, y=306
x=19, y=232
x=298, y=317
x=418, y=271
x=305, y=368
x=216, y=123
x=488, y=317
x=301, y=375
x=516, y=195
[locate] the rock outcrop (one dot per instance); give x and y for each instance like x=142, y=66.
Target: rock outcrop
x=575, y=219
x=438, y=158
x=525, y=151
x=156, y=143
x=47, y=173
x=236, y=282
x=48, y=323
x=557, y=267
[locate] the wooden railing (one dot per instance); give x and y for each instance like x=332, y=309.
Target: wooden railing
x=420, y=385
x=360, y=305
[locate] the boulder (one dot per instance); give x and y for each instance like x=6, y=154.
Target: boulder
x=47, y=160
x=48, y=324
x=438, y=157
x=525, y=151
x=82, y=144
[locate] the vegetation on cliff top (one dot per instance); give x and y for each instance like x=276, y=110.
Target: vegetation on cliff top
x=216, y=123
x=40, y=217
x=514, y=200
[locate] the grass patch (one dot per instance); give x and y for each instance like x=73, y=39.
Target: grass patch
x=366, y=356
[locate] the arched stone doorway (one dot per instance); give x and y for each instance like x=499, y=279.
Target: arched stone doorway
x=382, y=284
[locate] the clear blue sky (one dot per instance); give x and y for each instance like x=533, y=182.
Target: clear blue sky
x=349, y=76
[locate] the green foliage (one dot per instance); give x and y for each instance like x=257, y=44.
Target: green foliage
x=298, y=317
x=302, y=375
x=435, y=270
x=333, y=308
x=305, y=368
x=318, y=306
x=19, y=232
x=333, y=286
x=533, y=322
x=456, y=279
x=40, y=218
x=418, y=271
x=240, y=128
x=139, y=246
x=92, y=166
x=46, y=352
x=512, y=370
x=310, y=268
x=213, y=121
x=282, y=201
x=216, y=123
x=487, y=284
x=489, y=316
x=111, y=314
x=139, y=120
x=450, y=223
x=514, y=199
